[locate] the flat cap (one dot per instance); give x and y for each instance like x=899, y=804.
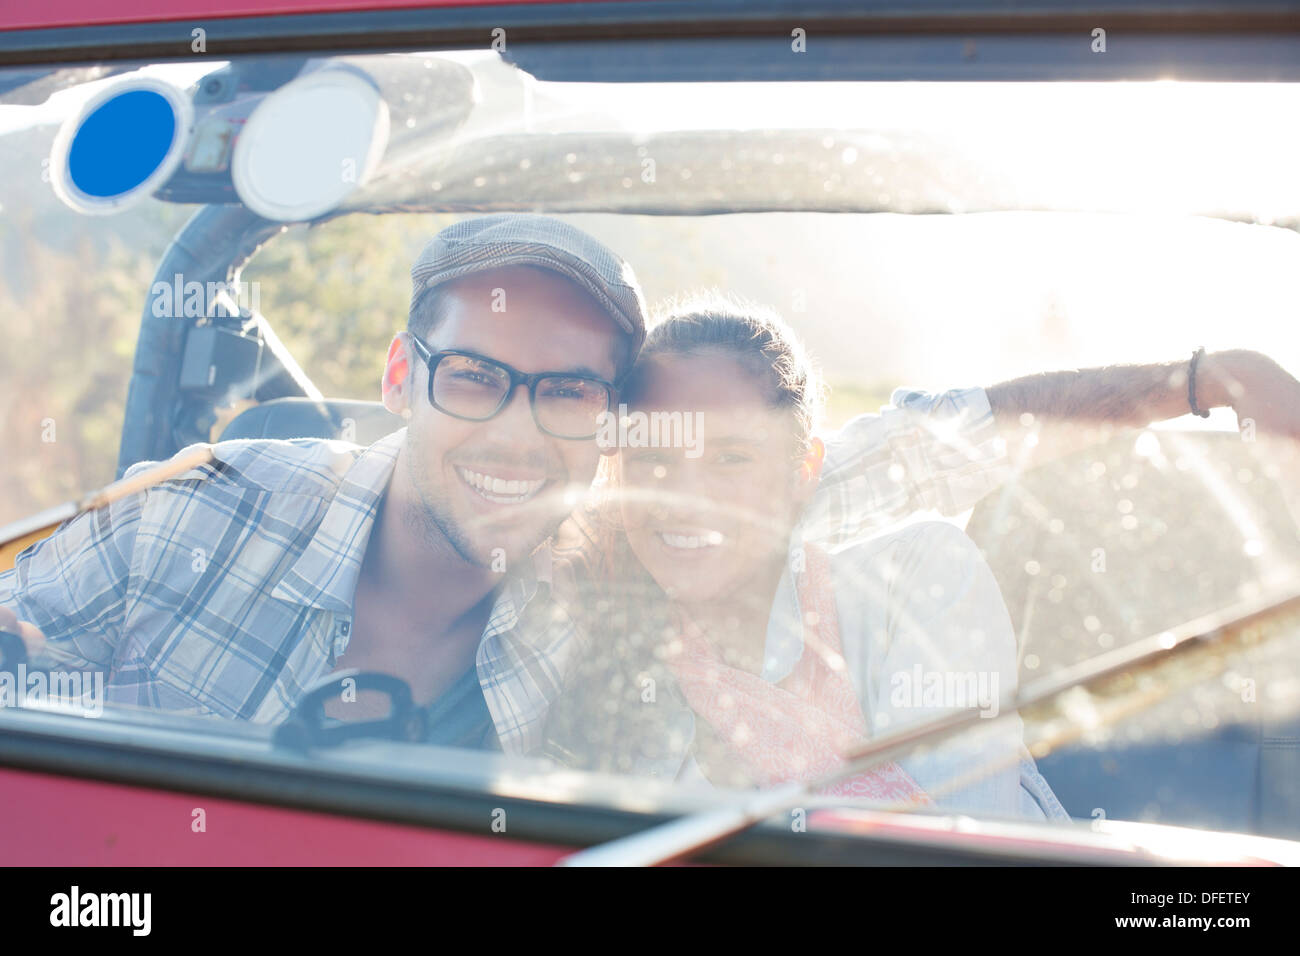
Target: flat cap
x=512, y=239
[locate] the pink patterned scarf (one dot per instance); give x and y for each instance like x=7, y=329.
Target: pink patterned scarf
x=796, y=729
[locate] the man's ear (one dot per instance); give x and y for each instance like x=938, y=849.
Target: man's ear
x=398, y=379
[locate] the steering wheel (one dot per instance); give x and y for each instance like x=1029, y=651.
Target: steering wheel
x=308, y=726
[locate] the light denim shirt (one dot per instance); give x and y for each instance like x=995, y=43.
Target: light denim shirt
x=924, y=632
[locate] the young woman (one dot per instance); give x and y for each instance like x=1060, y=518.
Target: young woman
x=721, y=645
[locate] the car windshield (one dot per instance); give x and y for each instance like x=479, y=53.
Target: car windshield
x=915, y=429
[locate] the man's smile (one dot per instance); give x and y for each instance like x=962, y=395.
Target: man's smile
x=498, y=488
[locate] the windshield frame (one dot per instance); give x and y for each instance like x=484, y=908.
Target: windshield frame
x=459, y=791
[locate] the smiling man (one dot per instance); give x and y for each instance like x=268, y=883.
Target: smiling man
x=232, y=588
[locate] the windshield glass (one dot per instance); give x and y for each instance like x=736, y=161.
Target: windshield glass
x=696, y=432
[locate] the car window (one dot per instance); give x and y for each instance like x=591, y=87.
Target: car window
x=910, y=242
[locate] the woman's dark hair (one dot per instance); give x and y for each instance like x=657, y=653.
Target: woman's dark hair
x=754, y=335
x=619, y=702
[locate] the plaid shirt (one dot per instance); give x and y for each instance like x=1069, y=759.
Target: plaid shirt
x=228, y=590
x=923, y=452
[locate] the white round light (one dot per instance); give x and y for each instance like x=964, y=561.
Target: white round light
x=310, y=144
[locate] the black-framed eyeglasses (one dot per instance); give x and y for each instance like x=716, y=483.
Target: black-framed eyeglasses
x=475, y=388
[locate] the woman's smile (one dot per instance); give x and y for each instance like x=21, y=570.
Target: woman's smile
x=691, y=540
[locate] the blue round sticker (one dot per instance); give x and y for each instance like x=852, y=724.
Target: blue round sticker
x=120, y=144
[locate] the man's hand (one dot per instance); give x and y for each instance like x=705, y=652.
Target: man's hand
x=30, y=633
x=1264, y=395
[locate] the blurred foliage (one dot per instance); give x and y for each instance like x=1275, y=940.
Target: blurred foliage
x=70, y=332
x=845, y=400
x=336, y=294
x=72, y=300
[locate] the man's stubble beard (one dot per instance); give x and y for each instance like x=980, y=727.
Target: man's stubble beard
x=431, y=514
